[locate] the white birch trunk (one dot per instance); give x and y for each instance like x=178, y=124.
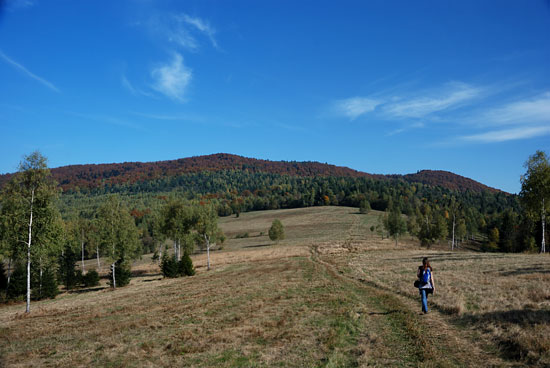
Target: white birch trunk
x=179, y=249
x=97, y=253
x=207, y=240
x=453, y=242
x=40, y=289
x=113, y=266
x=176, y=249
x=543, y=218
x=28, y=310
x=82, y=249
x=9, y=276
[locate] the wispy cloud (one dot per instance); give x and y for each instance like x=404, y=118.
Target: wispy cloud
x=182, y=29
x=172, y=79
x=453, y=95
x=201, y=25
x=27, y=72
x=132, y=89
x=527, y=111
x=508, y=134
x=111, y=120
x=355, y=106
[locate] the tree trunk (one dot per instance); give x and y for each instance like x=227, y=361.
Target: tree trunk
x=97, y=252
x=396, y=241
x=160, y=253
x=179, y=249
x=207, y=240
x=113, y=266
x=82, y=247
x=9, y=276
x=40, y=288
x=543, y=218
x=28, y=310
x=453, y=241
x=176, y=249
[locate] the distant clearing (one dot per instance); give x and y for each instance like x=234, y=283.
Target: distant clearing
x=332, y=293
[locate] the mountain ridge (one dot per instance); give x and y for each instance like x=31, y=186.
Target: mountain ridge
x=96, y=175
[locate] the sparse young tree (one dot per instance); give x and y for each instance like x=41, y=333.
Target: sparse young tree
x=27, y=201
x=118, y=234
x=394, y=223
x=364, y=206
x=207, y=229
x=176, y=222
x=535, y=190
x=276, y=231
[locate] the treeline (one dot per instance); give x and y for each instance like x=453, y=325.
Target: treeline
x=233, y=191
x=40, y=249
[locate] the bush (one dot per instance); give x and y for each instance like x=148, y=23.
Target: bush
x=18, y=282
x=91, y=278
x=66, y=272
x=364, y=206
x=277, y=231
x=185, y=266
x=122, y=274
x=3, y=278
x=45, y=288
x=169, y=266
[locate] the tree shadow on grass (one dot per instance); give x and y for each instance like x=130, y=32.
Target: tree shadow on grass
x=86, y=290
x=258, y=245
x=384, y=313
x=520, y=317
x=526, y=271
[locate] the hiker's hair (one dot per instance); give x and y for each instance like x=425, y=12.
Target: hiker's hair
x=426, y=263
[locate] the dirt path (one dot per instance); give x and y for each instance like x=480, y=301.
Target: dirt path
x=402, y=335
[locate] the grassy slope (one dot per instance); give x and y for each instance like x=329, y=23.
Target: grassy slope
x=331, y=294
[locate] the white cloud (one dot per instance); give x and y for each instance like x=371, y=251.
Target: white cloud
x=532, y=111
x=450, y=97
x=182, y=30
x=27, y=72
x=356, y=106
x=172, y=79
x=202, y=26
x=508, y=134
x=133, y=90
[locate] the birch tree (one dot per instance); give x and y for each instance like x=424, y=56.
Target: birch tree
x=535, y=190
x=207, y=229
x=28, y=200
x=118, y=233
x=176, y=222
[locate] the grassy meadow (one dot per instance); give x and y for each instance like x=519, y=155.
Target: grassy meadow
x=332, y=294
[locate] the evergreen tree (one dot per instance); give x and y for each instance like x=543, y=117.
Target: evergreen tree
x=18, y=285
x=169, y=266
x=123, y=273
x=91, y=278
x=185, y=265
x=66, y=271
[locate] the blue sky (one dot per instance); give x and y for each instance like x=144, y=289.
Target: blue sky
x=378, y=86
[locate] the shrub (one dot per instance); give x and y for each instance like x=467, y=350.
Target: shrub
x=364, y=206
x=122, y=274
x=185, y=266
x=45, y=288
x=91, y=278
x=277, y=231
x=18, y=282
x=66, y=272
x=3, y=278
x=169, y=266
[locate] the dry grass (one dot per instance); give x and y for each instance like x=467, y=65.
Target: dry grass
x=504, y=298
x=331, y=294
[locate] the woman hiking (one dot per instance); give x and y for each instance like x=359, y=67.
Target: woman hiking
x=425, y=282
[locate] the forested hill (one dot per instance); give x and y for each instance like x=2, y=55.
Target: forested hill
x=98, y=175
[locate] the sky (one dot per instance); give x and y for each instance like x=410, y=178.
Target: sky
x=388, y=87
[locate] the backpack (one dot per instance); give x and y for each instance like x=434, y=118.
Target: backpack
x=426, y=276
